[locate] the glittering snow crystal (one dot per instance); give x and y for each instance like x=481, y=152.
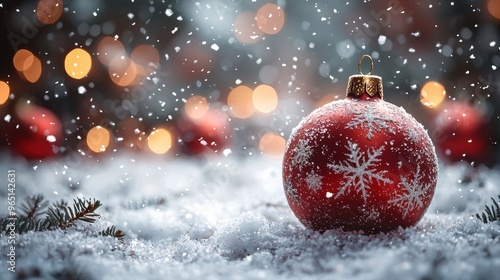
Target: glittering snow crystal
x=359, y=170
x=414, y=193
x=370, y=121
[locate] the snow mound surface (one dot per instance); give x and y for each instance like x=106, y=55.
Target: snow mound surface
x=225, y=218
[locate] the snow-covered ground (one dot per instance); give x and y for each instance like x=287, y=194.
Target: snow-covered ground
x=227, y=218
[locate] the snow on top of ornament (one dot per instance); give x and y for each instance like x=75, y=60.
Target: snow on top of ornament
x=302, y=151
x=370, y=120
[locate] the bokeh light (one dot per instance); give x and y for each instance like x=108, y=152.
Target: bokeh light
x=4, y=92
x=270, y=18
x=272, y=144
x=240, y=102
x=432, y=94
x=28, y=65
x=122, y=71
x=245, y=28
x=146, y=56
x=33, y=73
x=196, y=107
x=23, y=60
x=327, y=99
x=160, y=141
x=265, y=98
x=109, y=48
x=49, y=11
x=78, y=63
x=98, y=139
x=494, y=8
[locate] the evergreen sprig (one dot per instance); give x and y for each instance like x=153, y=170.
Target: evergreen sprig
x=491, y=213
x=112, y=231
x=33, y=206
x=59, y=215
x=66, y=216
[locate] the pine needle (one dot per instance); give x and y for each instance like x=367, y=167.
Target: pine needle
x=491, y=213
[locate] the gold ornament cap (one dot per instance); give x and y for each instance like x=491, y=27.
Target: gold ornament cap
x=361, y=84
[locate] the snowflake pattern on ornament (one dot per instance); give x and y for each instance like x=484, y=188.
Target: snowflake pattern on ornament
x=302, y=153
x=292, y=192
x=367, y=120
x=313, y=181
x=414, y=193
x=359, y=170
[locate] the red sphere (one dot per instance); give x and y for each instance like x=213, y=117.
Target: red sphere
x=461, y=133
x=359, y=164
x=206, y=134
x=37, y=132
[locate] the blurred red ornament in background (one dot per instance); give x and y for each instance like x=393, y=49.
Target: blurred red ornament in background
x=461, y=132
x=36, y=132
x=209, y=133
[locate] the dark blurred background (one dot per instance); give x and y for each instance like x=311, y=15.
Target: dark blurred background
x=191, y=78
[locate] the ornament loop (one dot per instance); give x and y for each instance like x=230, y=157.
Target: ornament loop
x=371, y=66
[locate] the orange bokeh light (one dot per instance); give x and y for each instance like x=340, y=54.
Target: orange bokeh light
x=4, y=92
x=49, y=11
x=432, y=94
x=494, y=8
x=109, y=48
x=122, y=71
x=326, y=99
x=160, y=141
x=196, y=107
x=245, y=28
x=270, y=18
x=23, y=60
x=34, y=72
x=240, y=103
x=28, y=65
x=265, y=98
x=272, y=144
x=98, y=139
x=78, y=63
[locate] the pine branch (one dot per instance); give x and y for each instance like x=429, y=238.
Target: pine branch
x=491, y=213
x=60, y=204
x=23, y=224
x=112, y=231
x=66, y=216
x=34, y=205
x=59, y=215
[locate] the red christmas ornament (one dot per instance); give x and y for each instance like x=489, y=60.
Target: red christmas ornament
x=206, y=134
x=461, y=133
x=359, y=163
x=37, y=132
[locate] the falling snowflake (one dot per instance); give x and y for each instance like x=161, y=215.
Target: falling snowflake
x=359, y=170
x=414, y=193
x=313, y=181
x=292, y=192
x=366, y=119
x=302, y=153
